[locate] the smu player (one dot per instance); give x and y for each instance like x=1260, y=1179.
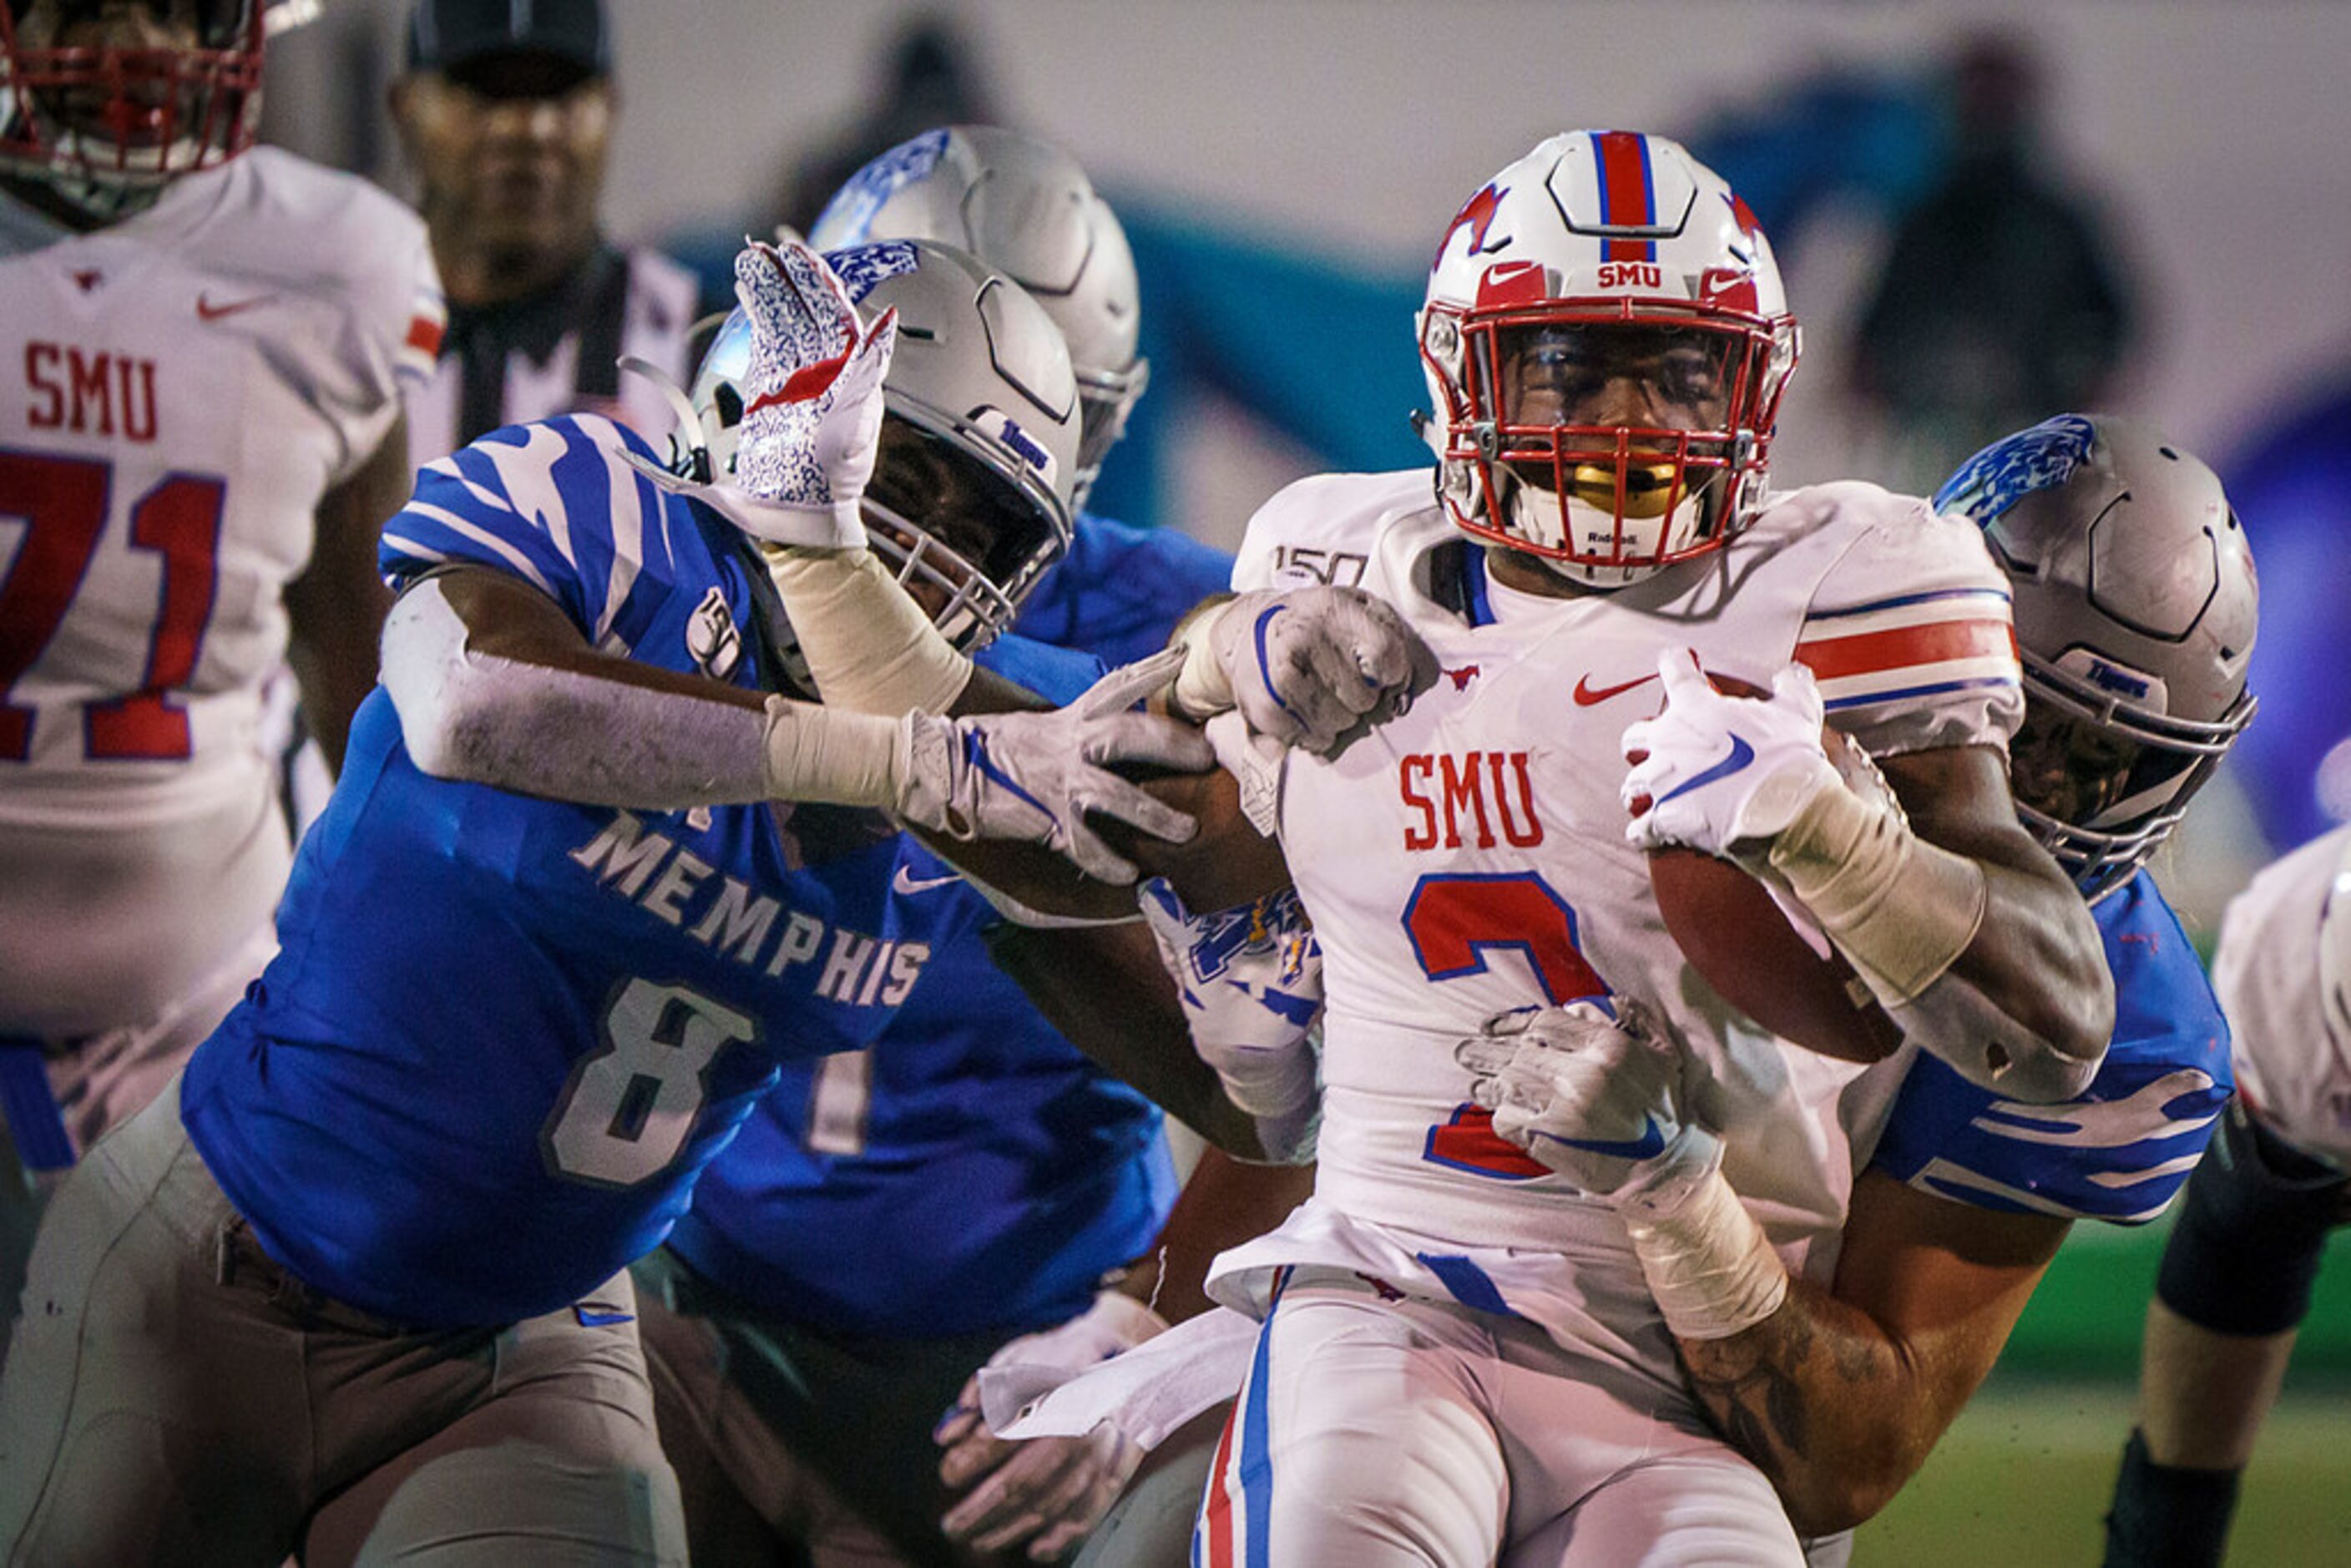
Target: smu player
x=890, y=1219
x=2238, y=1270
x=202, y=443
x=545, y=948
x=2135, y=606
x=1465, y=1356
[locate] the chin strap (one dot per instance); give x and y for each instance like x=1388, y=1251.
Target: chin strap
x=689, y=444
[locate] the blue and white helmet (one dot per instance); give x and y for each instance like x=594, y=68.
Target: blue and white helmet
x=971, y=492
x=2135, y=606
x=1026, y=208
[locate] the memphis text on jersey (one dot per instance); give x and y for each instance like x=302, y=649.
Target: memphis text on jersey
x=684, y=891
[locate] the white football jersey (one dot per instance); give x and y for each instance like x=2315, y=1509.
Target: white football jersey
x=1469, y=857
x=2290, y=1031
x=190, y=381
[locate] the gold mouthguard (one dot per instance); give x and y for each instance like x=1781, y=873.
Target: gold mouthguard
x=1649, y=487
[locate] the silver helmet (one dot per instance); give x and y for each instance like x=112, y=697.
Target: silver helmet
x=2135, y=605
x=1025, y=208
x=971, y=492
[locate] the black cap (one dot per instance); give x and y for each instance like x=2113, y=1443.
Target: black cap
x=450, y=36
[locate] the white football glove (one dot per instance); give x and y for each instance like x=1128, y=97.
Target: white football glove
x=1724, y=774
x=1306, y=667
x=1251, y=979
x=1047, y=1491
x=1594, y=1097
x=1032, y=777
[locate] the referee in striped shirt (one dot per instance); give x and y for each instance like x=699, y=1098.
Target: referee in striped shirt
x=506, y=111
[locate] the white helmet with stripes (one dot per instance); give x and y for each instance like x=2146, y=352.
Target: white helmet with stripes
x=1606, y=340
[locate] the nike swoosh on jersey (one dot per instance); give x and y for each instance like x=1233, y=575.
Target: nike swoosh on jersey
x=1587, y=696
x=208, y=311
x=1649, y=1145
x=904, y=882
x=1741, y=754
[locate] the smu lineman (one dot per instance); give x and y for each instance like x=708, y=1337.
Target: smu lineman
x=213, y=340
x=1467, y=1354
x=543, y=953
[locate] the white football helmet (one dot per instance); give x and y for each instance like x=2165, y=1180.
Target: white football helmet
x=2135, y=606
x=971, y=494
x=105, y=118
x=1026, y=208
x=1607, y=340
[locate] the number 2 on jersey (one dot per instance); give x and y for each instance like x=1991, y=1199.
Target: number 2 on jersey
x=62, y=503
x=1455, y=921
x=627, y=1110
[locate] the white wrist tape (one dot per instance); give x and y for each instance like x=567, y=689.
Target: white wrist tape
x=1201, y=690
x=869, y=646
x=1899, y=908
x=811, y=753
x=1708, y=1264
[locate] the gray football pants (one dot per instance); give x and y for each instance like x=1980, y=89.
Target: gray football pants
x=174, y=1396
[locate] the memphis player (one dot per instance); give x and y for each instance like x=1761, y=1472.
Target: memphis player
x=545, y=948
x=966, y=1190
x=208, y=341
x=1470, y=1353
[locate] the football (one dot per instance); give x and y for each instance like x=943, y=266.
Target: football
x=1228, y=862
x=1742, y=944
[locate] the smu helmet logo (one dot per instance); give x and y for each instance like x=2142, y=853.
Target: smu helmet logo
x=1477, y=215
x=2013, y=468
x=862, y=267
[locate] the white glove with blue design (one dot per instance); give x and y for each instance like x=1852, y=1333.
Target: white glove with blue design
x=1595, y=1096
x=1724, y=774
x=1032, y=777
x=1251, y=979
x=1306, y=667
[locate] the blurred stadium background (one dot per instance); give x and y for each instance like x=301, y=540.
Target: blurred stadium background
x=1285, y=166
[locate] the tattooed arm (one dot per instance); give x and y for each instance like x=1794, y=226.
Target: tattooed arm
x=1839, y=1395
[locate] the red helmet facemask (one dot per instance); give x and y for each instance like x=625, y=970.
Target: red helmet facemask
x=107, y=125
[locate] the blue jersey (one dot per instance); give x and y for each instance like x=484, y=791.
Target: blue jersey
x=975, y=1170
x=503, y=1034
x=1121, y=589
x=2121, y=1150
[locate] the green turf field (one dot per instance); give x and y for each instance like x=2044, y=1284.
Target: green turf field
x=2024, y=1477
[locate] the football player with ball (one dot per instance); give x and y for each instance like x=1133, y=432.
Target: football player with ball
x=1558, y=1170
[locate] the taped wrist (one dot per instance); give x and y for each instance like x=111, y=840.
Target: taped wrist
x=1901, y=909
x=816, y=754
x=1708, y=1264
x=1201, y=691
x=2253, y=1225
x=870, y=647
